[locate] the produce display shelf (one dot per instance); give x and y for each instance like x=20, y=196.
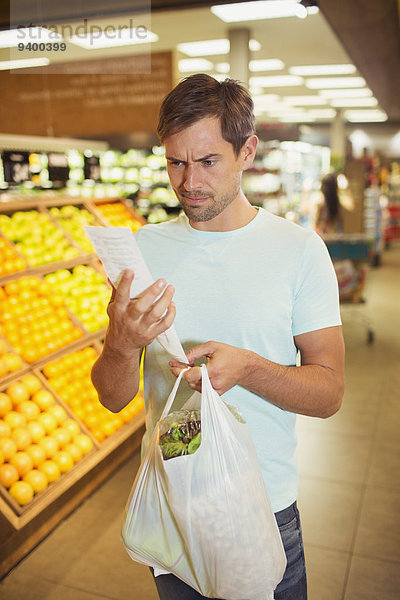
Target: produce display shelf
x=23, y=527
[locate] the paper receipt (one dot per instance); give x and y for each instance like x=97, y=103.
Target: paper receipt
x=117, y=249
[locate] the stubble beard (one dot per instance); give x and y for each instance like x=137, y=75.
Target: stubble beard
x=214, y=206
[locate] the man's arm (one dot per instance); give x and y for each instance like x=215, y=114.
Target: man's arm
x=134, y=323
x=314, y=389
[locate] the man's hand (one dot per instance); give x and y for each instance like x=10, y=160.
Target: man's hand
x=225, y=366
x=136, y=322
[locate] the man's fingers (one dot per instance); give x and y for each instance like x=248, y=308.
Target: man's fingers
x=166, y=322
x=121, y=294
x=158, y=308
x=205, y=349
x=144, y=301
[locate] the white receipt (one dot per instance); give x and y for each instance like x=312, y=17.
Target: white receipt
x=117, y=249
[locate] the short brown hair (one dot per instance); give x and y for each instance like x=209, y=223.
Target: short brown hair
x=200, y=96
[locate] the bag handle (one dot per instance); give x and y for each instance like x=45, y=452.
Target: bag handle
x=172, y=395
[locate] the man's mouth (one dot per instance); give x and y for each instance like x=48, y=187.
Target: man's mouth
x=194, y=200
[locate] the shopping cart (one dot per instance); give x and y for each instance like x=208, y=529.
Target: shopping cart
x=351, y=256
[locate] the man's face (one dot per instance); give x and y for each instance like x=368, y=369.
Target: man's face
x=204, y=172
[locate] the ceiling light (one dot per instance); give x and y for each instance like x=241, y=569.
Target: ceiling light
x=12, y=37
x=365, y=116
x=343, y=102
x=323, y=70
x=304, y=100
x=263, y=9
x=204, y=47
x=116, y=37
x=334, y=82
x=347, y=93
x=276, y=80
x=211, y=47
x=269, y=64
x=222, y=67
x=254, y=46
x=23, y=63
x=322, y=113
x=188, y=65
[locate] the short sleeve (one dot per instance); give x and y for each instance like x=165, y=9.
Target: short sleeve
x=316, y=299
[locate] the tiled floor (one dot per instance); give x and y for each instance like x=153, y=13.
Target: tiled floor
x=349, y=487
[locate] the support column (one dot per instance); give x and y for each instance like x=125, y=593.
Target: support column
x=239, y=55
x=338, y=141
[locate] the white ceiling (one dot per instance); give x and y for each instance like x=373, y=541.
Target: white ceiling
x=294, y=41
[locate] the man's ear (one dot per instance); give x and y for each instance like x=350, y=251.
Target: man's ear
x=248, y=151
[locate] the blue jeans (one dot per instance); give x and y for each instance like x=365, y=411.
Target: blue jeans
x=294, y=583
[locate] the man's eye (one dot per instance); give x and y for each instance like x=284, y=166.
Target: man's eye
x=208, y=163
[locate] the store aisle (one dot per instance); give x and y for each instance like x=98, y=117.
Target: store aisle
x=349, y=487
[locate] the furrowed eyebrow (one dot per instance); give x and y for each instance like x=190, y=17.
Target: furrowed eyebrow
x=206, y=157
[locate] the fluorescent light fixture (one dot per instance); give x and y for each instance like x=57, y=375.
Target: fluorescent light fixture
x=346, y=93
x=23, y=63
x=263, y=9
x=312, y=10
x=304, y=100
x=365, y=116
x=268, y=64
x=255, y=90
x=212, y=47
x=222, y=67
x=307, y=70
x=12, y=37
x=254, y=45
x=334, y=82
x=204, y=47
x=344, y=102
x=276, y=80
x=115, y=37
x=297, y=119
x=322, y=113
x=188, y=65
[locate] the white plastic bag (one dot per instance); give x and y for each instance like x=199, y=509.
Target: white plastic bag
x=206, y=517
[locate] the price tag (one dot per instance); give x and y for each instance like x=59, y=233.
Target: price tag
x=16, y=166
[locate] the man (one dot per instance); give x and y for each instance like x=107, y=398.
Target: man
x=250, y=290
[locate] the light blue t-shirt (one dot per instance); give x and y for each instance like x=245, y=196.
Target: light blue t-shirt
x=256, y=288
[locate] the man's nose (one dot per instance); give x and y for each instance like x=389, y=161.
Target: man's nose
x=192, y=179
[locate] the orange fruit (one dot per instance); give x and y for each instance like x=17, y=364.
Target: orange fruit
x=3, y=367
x=8, y=448
x=13, y=361
x=50, y=469
x=37, y=454
x=15, y=419
x=43, y=398
x=22, y=462
x=30, y=409
x=48, y=421
x=1, y=457
x=21, y=437
x=62, y=436
x=49, y=445
x=64, y=460
x=22, y=492
x=72, y=426
x=84, y=442
x=8, y=475
x=36, y=430
x=74, y=450
x=32, y=382
x=37, y=480
x=17, y=392
x=58, y=413
x=98, y=434
x=5, y=429
x=5, y=404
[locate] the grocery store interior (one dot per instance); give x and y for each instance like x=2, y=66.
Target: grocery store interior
x=81, y=85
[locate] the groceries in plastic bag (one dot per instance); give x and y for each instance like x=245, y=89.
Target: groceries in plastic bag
x=205, y=516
